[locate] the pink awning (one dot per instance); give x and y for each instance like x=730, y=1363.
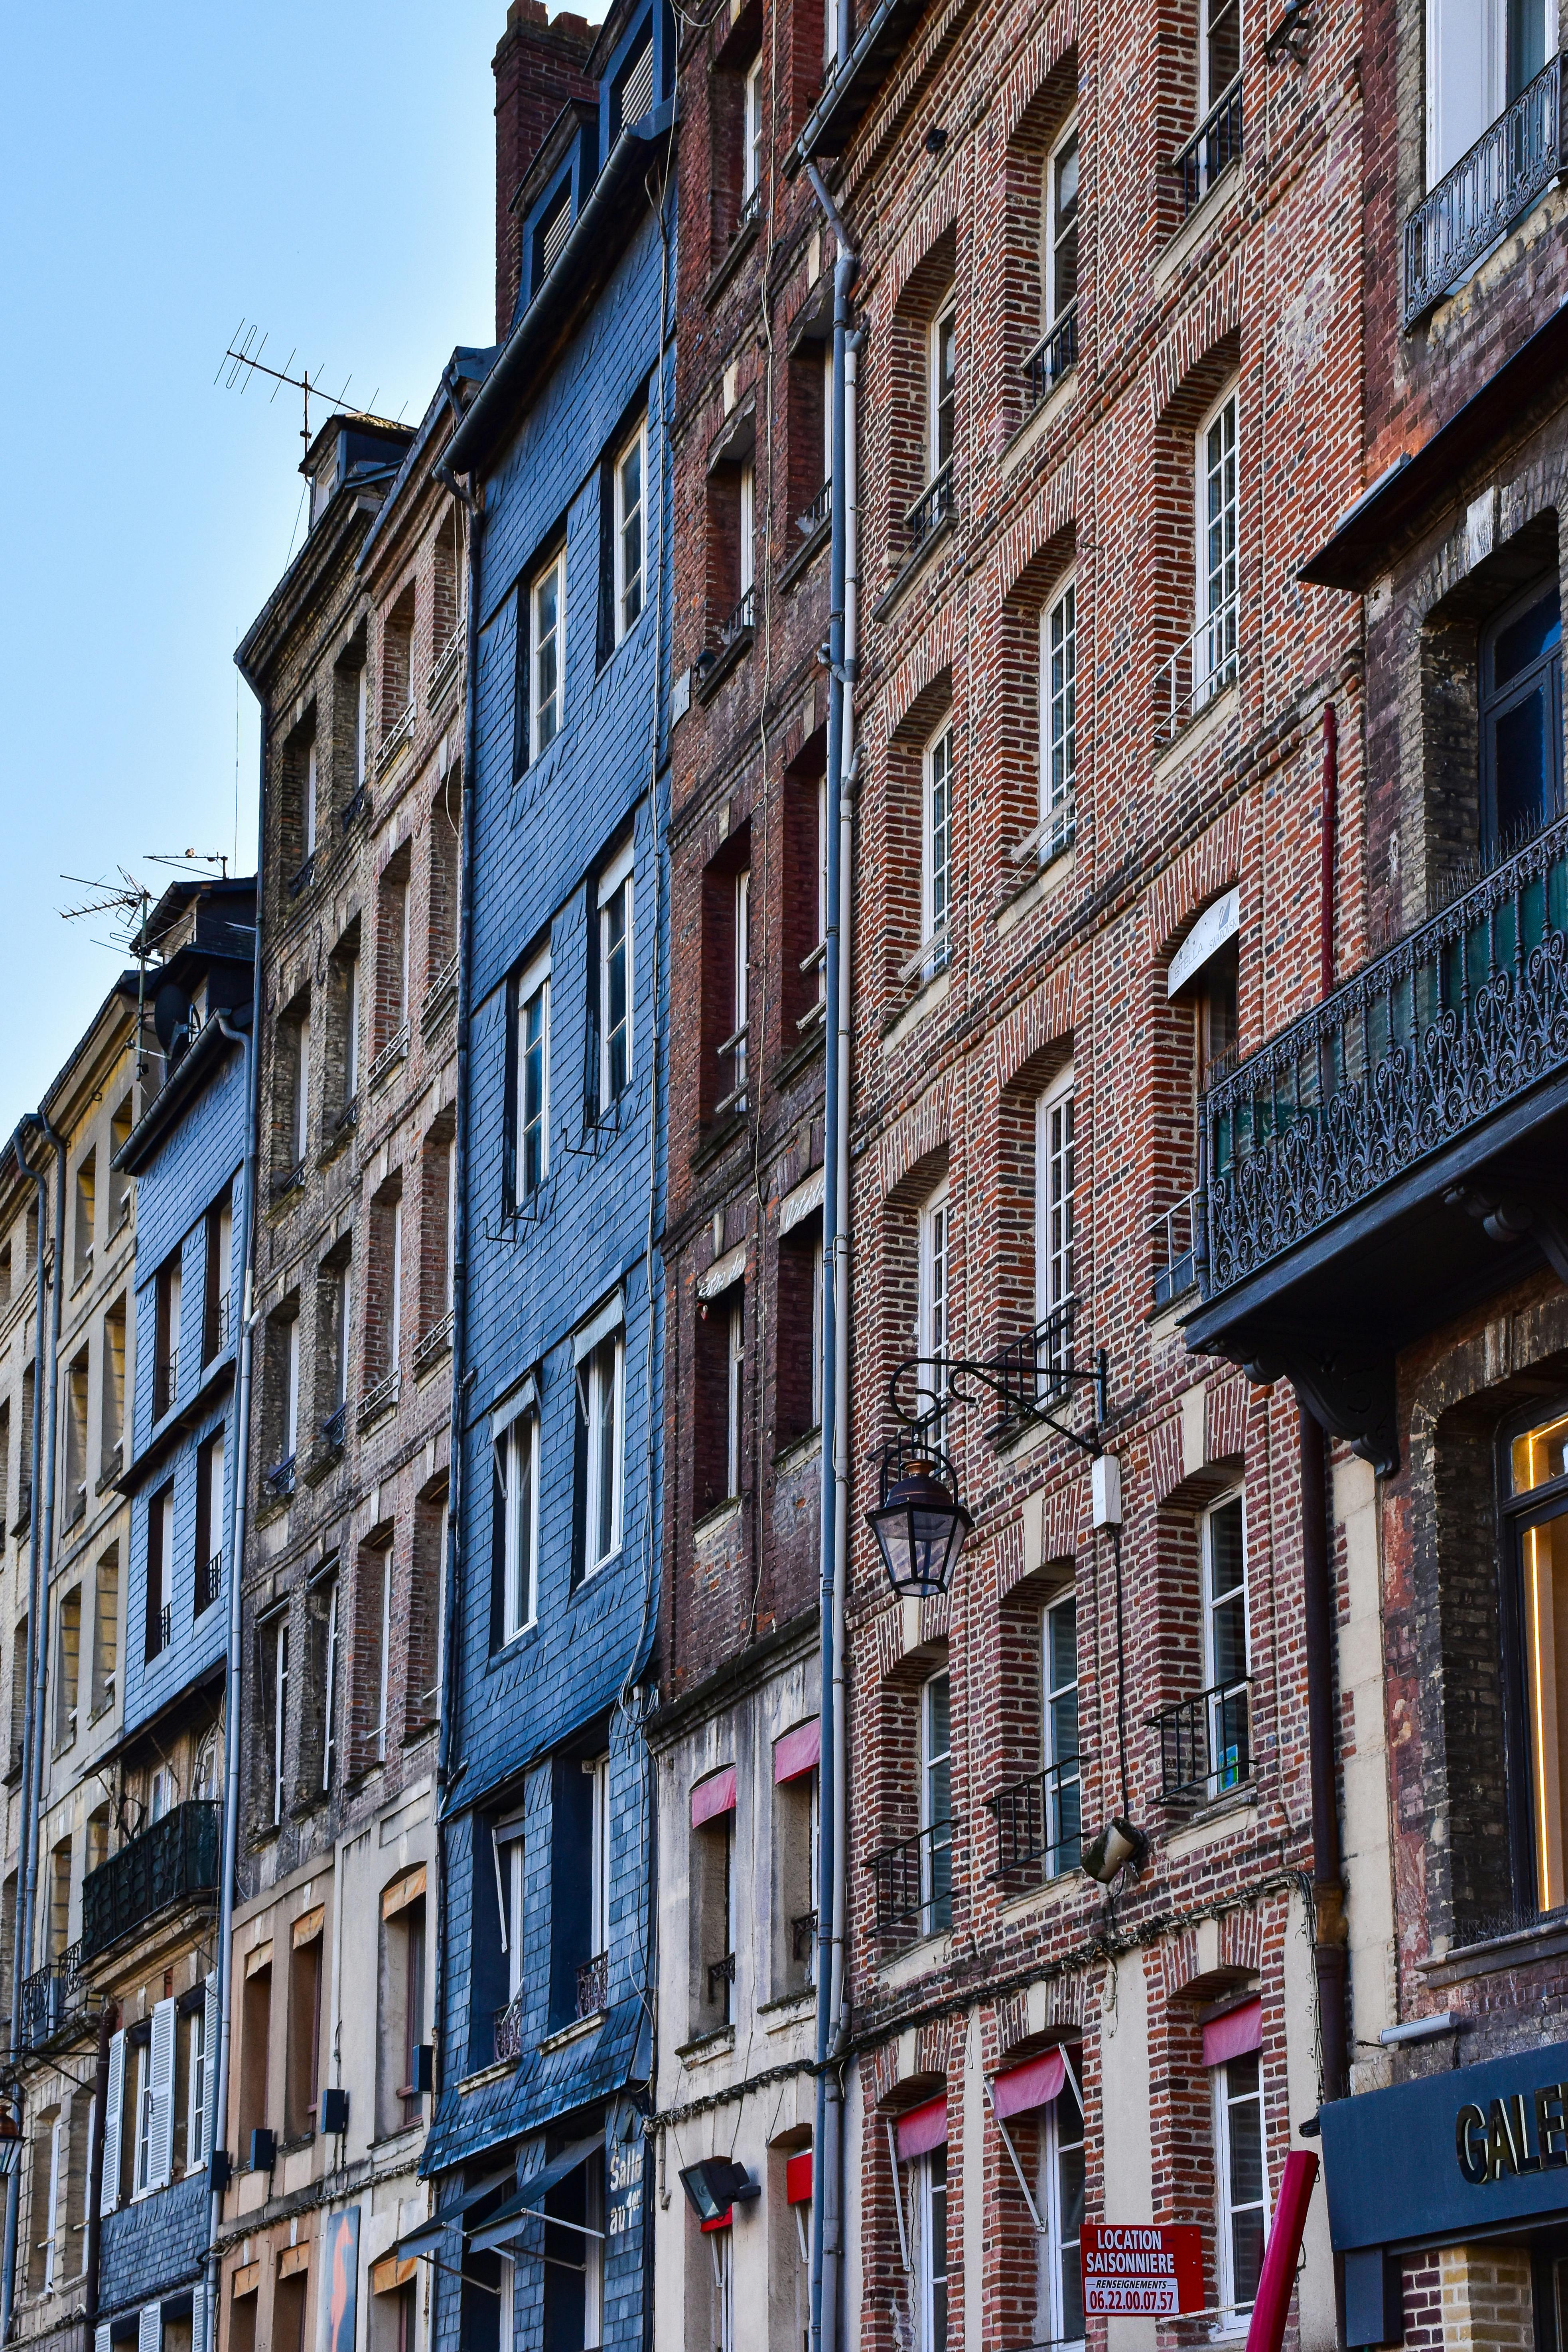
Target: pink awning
x=1035, y=2084
x=713, y=1796
x=922, y=2130
x=798, y=1751
x=1234, y=2035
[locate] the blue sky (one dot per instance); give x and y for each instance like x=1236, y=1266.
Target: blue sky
x=327, y=171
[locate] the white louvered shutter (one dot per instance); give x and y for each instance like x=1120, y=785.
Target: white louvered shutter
x=201, y=2335
x=160, y=2088
x=210, y=2068
x=149, y=2321
x=100, y=2337
x=108, y=2196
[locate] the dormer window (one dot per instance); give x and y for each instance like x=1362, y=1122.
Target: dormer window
x=634, y=89
x=551, y=234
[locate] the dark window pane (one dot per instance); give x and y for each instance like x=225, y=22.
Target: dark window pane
x=1526, y=639
x=1520, y=766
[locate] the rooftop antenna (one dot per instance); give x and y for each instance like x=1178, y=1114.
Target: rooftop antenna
x=191, y=857
x=129, y=900
x=244, y=363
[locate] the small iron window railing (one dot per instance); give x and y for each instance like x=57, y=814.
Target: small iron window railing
x=334, y=1428
x=446, y=664
x=391, y=1053
x=166, y=1382
x=1206, y=661
x=742, y=619
x=281, y=1478
x=1205, y=1743
x=1213, y=148
x=593, y=1985
x=381, y=1398
x=933, y=508
x=913, y=1882
x=1515, y=160
x=209, y=1582
x=509, y=2030
x=434, y=1344
x=55, y=2002
x=802, y=1936
x=1040, y=1823
x=396, y=735
x=1053, y=356
x=721, y=1973
x=1176, y=1244
x=818, y=514
x=159, y=1631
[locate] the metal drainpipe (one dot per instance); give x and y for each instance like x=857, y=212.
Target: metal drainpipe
x=37, y=1554
x=108, y=2021
x=238, y=1515
x=827, y=2139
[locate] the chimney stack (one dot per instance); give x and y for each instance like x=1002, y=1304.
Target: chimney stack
x=538, y=67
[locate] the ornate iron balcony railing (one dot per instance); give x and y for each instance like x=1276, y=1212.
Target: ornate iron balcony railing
x=175, y=1859
x=55, y=2002
x=1205, y=1743
x=509, y=2030
x=1512, y=163
x=1212, y=149
x=215, y=1338
x=1052, y=356
x=913, y=1882
x=930, y=510
x=446, y=665
x=1176, y=1243
x=1460, y=1019
x=743, y=618
x=1040, y=1823
x=593, y=1985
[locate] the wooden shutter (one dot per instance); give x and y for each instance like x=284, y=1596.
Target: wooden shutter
x=114, y=2104
x=150, y=2328
x=210, y=2068
x=161, y=2084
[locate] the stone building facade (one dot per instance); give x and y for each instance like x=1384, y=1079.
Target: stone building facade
x=359, y=662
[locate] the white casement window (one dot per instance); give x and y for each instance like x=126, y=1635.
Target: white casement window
x=1213, y=643
x=940, y=337
x=928, y=2253
x=361, y=719
x=344, y=1308
x=533, y=1077
x=1061, y=227
x=1480, y=55
x=155, y=2103
x=516, y=1456
x=817, y=962
x=936, y=849
x=748, y=532
x=299, y=1140
x=751, y=133
x=310, y=810
x=196, y=2088
x=1224, y=1529
x=59, y=2138
x=734, y=1414
x=290, y=1387
x=510, y=1893
x=395, y=1288
x=732, y=1052
x=936, y=1805
x=330, y=1691
x=593, y=2252
x=835, y=36
x=931, y=1299
x=1058, y=720
x=1055, y=1230
x=383, y=1675
x=279, y=1666
x=351, y=1030
x=1059, y=2200
x=614, y=1006
x=1063, y=1808
x=1242, y=2179
x=161, y=1556
x=598, y=1771
x=600, y=1384
x=722, y=2252
x=1219, y=51
x=547, y=653
x=631, y=473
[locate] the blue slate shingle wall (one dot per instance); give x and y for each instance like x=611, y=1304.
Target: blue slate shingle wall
x=199, y=1163
x=524, y=1716
x=153, y=2248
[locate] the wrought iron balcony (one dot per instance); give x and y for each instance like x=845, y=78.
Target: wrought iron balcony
x=1052, y=357
x=593, y=1985
x=740, y=622
x=913, y=1882
x=1493, y=184
x=55, y=2002
x=509, y=2030
x=209, y=1582
x=933, y=508
x=301, y=879
x=1039, y=1824
x=1205, y=1743
x=172, y=1862
x=1213, y=148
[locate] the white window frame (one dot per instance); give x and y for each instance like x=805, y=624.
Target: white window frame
x=1055, y=309
x=631, y=581
x=936, y=849
x=196, y=2087
x=345, y=1307
x=329, y=1697
x=598, y=1771
x=310, y=808
x=384, y=1676
x=516, y=1913
x=827, y=391
x=1209, y=95
x=817, y=1310
x=752, y=130
x=734, y=1047
x=142, y=2158
x=278, y=1669
x=722, y=2249
x=1054, y=1755
x=598, y=1552
x=1059, y=718
x=59, y=2130
x=617, y=879
x=934, y=1760
x=300, y=1107
x=361, y=722
x=533, y=989
x=550, y=642
x=1056, y=1187
x=932, y=1291
x=1217, y=584
x=517, y=1451
x=931, y=2335
x=1222, y=1776
x=291, y=1387
x=942, y=332
x=351, y=1031
x=747, y=524
x=735, y=1392
x=1234, y=2322
x=394, y=1302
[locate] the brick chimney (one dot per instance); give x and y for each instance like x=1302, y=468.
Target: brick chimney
x=538, y=67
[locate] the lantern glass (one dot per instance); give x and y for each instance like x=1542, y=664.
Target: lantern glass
x=919, y=1530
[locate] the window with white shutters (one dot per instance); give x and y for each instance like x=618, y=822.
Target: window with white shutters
x=210, y=2068
x=150, y=2328
x=161, y=2097
x=108, y=2196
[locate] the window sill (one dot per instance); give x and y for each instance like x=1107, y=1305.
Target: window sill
x=1195, y=731
x=714, y=1145
x=916, y=1960
x=1043, y=884
x=566, y=2035
x=707, y=680
x=799, y=1451
x=911, y=568
x=799, y=1056
x=516, y=1644
x=1235, y=1811
x=935, y=992
x=713, y=1523
x=789, y=2008
x=734, y=253
x=705, y=2047
x=586, y=1582
x=1200, y=222
x=1028, y=436
x=806, y=554
x=1519, y=1948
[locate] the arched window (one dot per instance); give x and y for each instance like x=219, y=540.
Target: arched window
x=1521, y=718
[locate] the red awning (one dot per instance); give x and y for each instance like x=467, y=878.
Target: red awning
x=797, y=2178
x=1233, y=2036
x=798, y=1751
x=922, y=2130
x=1035, y=2084
x=713, y=1796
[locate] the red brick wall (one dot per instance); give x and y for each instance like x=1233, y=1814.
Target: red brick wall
x=539, y=67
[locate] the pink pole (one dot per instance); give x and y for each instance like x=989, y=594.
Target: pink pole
x=1282, y=2254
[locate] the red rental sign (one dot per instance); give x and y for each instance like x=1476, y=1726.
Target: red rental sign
x=1138, y=2269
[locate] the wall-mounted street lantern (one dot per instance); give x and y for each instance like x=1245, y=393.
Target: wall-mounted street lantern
x=920, y=1521
x=10, y=2142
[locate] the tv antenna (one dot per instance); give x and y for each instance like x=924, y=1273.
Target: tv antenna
x=244, y=361
x=131, y=901
x=191, y=857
